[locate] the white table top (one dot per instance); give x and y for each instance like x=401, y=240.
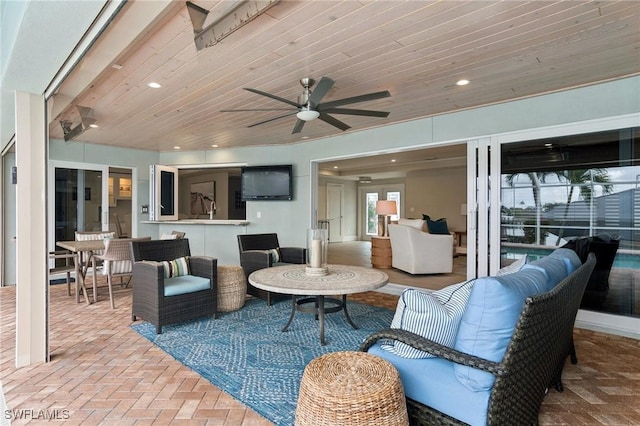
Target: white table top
x=342, y=279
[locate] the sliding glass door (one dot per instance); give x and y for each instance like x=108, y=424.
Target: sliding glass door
x=79, y=200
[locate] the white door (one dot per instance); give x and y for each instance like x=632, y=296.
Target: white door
x=335, y=207
x=483, y=222
x=368, y=197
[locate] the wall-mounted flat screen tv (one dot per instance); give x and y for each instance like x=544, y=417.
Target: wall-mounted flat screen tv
x=267, y=183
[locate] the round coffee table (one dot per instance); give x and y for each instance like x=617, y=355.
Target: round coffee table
x=341, y=280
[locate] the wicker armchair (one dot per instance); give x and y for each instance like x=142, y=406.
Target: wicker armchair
x=533, y=361
x=148, y=283
x=254, y=255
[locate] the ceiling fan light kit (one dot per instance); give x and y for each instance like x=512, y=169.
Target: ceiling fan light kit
x=309, y=105
x=306, y=114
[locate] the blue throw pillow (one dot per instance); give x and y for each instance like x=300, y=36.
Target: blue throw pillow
x=435, y=315
x=489, y=320
x=438, y=226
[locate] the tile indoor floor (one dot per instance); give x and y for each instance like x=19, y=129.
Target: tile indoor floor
x=102, y=372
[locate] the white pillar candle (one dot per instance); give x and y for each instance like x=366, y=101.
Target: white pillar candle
x=316, y=253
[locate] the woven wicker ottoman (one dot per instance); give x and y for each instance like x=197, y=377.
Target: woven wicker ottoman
x=232, y=288
x=351, y=388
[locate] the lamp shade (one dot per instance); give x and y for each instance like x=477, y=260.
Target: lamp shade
x=386, y=207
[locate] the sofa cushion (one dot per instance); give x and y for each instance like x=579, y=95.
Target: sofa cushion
x=553, y=268
x=185, y=284
x=438, y=226
x=570, y=258
x=435, y=315
x=413, y=223
x=432, y=382
x=513, y=267
x=176, y=267
x=489, y=319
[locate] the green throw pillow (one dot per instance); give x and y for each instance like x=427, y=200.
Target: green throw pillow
x=176, y=268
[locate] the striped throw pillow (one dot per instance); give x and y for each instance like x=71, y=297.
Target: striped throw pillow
x=176, y=267
x=435, y=315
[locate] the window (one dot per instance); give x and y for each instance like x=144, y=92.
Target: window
x=555, y=190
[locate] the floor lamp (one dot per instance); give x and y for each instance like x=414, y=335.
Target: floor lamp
x=384, y=209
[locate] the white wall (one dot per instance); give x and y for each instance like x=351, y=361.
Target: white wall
x=438, y=193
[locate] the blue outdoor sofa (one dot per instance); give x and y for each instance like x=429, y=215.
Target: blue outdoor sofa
x=509, y=344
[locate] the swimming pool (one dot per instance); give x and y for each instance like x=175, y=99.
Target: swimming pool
x=622, y=260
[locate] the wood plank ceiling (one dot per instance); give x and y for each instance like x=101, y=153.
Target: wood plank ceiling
x=415, y=49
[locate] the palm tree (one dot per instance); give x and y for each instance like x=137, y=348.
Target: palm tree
x=584, y=180
x=536, y=178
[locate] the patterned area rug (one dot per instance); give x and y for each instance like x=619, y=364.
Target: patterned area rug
x=245, y=353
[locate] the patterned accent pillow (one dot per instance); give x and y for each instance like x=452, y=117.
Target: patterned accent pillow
x=176, y=268
x=435, y=315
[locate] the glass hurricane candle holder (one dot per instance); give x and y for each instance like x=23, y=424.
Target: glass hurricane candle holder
x=317, y=244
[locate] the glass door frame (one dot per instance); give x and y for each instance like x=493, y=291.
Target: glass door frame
x=53, y=165
x=382, y=190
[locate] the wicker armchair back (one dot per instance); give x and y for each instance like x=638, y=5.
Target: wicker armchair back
x=149, y=301
x=532, y=363
x=253, y=256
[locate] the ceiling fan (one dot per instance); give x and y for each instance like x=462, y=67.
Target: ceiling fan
x=309, y=105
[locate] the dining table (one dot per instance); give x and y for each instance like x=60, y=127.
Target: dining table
x=80, y=249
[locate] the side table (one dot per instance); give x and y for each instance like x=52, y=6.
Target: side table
x=381, y=256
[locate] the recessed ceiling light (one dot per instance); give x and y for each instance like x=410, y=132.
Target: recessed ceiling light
x=462, y=82
x=335, y=167
x=214, y=146
x=93, y=126
x=154, y=85
x=176, y=147
x=393, y=160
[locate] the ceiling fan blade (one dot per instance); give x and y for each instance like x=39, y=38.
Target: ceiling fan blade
x=273, y=119
x=350, y=111
x=255, y=109
x=277, y=98
x=355, y=99
x=333, y=121
x=297, y=128
x=321, y=89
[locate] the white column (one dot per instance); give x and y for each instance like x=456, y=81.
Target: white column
x=31, y=248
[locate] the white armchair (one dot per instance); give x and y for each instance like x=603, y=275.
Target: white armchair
x=418, y=252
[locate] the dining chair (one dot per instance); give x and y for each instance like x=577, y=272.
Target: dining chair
x=87, y=257
x=119, y=232
x=65, y=267
x=117, y=262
